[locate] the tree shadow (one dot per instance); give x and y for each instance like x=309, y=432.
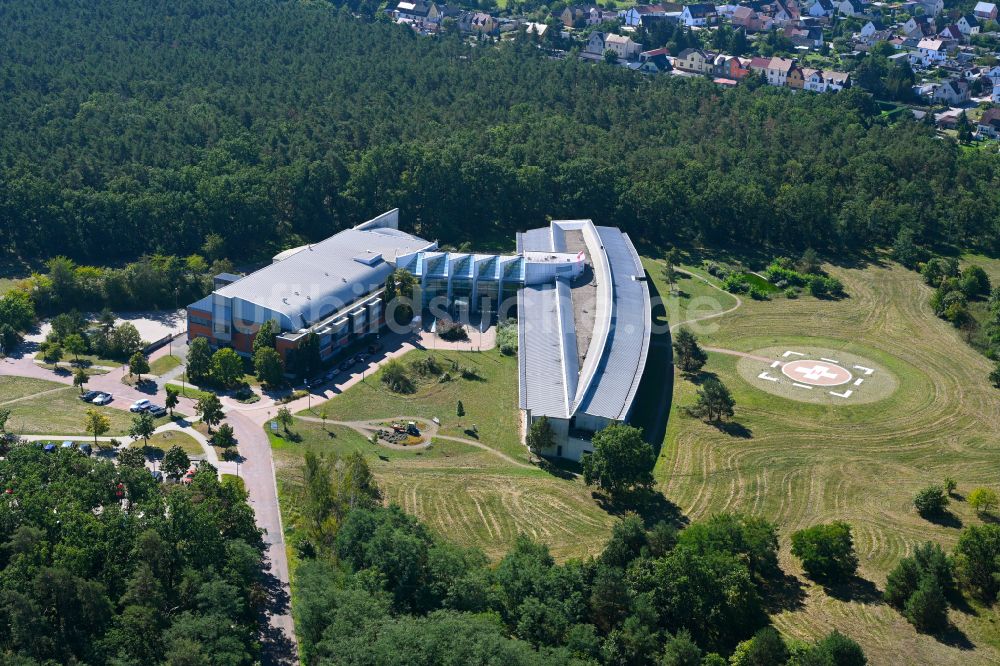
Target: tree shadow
x=733, y=429
x=944, y=519
x=650, y=505
x=277, y=648
x=784, y=592
x=856, y=589
x=560, y=467
x=954, y=637
x=700, y=377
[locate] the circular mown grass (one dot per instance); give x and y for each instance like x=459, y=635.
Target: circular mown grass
x=870, y=380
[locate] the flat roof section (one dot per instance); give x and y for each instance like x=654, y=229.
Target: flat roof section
x=613, y=390
x=542, y=377
x=305, y=284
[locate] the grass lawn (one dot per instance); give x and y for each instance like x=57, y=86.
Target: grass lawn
x=187, y=391
x=57, y=411
x=470, y=496
x=490, y=402
x=161, y=442
x=163, y=365
x=691, y=297
x=799, y=464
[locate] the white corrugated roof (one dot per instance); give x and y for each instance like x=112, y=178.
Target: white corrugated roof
x=325, y=276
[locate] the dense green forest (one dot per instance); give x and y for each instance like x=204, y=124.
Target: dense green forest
x=135, y=126
x=101, y=564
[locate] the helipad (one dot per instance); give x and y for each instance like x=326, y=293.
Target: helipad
x=816, y=373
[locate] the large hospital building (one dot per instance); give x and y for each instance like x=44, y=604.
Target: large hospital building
x=578, y=291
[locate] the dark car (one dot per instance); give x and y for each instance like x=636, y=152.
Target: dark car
x=346, y=364
x=330, y=375
x=157, y=476
x=85, y=449
x=156, y=411
x=359, y=358
x=374, y=347
x=89, y=395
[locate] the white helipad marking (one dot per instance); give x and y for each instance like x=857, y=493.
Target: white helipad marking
x=867, y=371
x=859, y=380
x=765, y=375
x=791, y=353
x=802, y=385
x=776, y=364
x=845, y=394
x=829, y=360
x=816, y=373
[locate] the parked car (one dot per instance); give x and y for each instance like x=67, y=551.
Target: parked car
x=67, y=445
x=157, y=475
x=374, y=347
x=89, y=396
x=103, y=399
x=86, y=449
x=157, y=410
x=140, y=405
x=359, y=358
x=346, y=364
x=49, y=448
x=330, y=375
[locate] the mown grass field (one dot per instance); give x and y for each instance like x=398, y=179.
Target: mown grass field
x=467, y=495
x=798, y=464
x=162, y=442
x=163, y=364
x=490, y=402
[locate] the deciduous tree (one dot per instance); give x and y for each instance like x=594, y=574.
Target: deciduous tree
x=622, y=460
x=826, y=551
x=209, y=407
x=96, y=423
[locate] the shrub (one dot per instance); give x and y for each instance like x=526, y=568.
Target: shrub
x=826, y=551
x=792, y=292
x=452, y=331
x=428, y=367
x=983, y=500
x=930, y=501
x=736, y=283
x=758, y=294
x=507, y=337
x=394, y=376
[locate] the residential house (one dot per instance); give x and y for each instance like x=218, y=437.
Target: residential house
x=797, y=77
x=698, y=14
x=655, y=61
x=930, y=52
x=932, y=7
x=989, y=124
x=622, y=46
x=851, y=8
x=751, y=20
x=694, y=60
x=811, y=37
x=952, y=92
x=815, y=81
x=778, y=70
x=633, y=15
x=784, y=11
x=968, y=24
x=985, y=11
x=575, y=15
x=836, y=80
x=417, y=10
x=731, y=67
x=919, y=27
x=537, y=29
x=821, y=9
x=951, y=33
x=595, y=43
x=995, y=97
x=477, y=22
x=759, y=65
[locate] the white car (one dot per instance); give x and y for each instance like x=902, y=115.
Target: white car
x=140, y=406
x=102, y=399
